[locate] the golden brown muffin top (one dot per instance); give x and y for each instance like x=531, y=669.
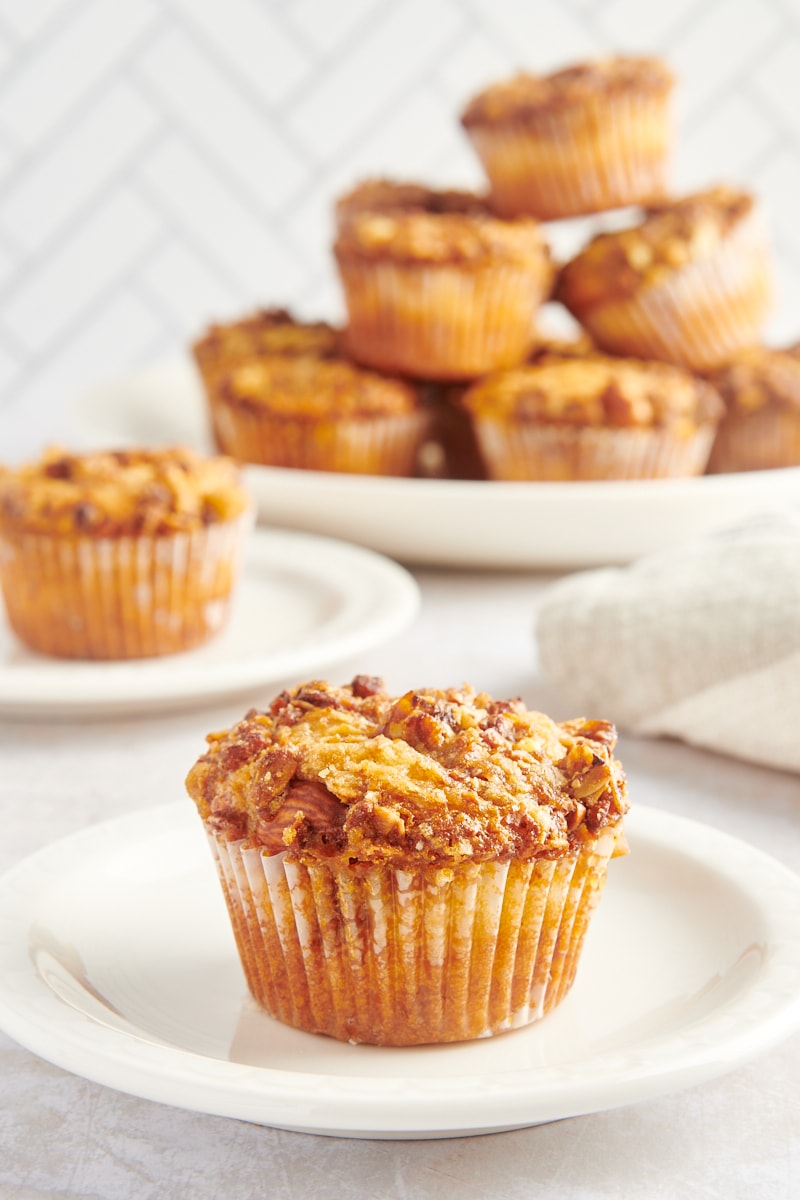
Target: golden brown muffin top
x=309, y=388
x=597, y=391
x=671, y=236
x=462, y=238
x=120, y=493
x=527, y=98
x=760, y=377
x=271, y=331
x=432, y=777
x=391, y=196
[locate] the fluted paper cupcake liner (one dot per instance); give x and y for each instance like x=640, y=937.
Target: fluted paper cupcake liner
x=516, y=451
x=369, y=445
x=699, y=315
x=441, y=321
x=757, y=441
x=616, y=153
x=119, y=598
x=394, y=957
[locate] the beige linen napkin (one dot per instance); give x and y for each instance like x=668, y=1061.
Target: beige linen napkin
x=701, y=642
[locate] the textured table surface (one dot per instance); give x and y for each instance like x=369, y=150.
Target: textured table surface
x=62, y=1136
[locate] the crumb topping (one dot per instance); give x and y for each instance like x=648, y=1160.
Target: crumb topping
x=452, y=237
x=120, y=492
x=758, y=377
x=527, y=98
x=671, y=236
x=309, y=388
x=432, y=777
x=598, y=391
x=386, y=195
x=272, y=331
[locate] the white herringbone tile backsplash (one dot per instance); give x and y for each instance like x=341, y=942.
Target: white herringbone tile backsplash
x=167, y=162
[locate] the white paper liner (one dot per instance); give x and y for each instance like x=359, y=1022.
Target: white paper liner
x=392, y=957
x=370, y=445
x=616, y=154
x=441, y=321
x=120, y=598
x=513, y=450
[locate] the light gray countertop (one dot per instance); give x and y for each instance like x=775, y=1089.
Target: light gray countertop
x=62, y=1136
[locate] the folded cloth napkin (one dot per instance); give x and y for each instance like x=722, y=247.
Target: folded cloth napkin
x=700, y=642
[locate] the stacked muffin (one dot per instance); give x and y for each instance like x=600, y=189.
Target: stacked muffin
x=444, y=288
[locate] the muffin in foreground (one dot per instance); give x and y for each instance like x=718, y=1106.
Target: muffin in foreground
x=691, y=284
x=409, y=870
x=120, y=554
x=589, y=137
x=320, y=415
x=760, y=430
x=593, y=418
x=439, y=288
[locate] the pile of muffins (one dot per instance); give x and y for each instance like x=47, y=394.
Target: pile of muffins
x=444, y=289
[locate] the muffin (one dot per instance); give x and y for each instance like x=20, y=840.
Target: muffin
x=439, y=288
x=409, y=870
x=320, y=415
x=590, y=137
x=690, y=284
x=268, y=333
x=459, y=452
x=593, y=418
x=760, y=430
x=123, y=554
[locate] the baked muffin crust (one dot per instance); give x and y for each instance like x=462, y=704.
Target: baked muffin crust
x=760, y=377
x=596, y=391
x=433, y=777
x=671, y=236
x=308, y=389
x=120, y=493
x=390, y=196
x=272, y=331
x=527, y=98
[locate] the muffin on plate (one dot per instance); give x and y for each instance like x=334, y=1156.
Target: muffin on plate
x=120, y=554
x=413, y=869
x=440, y=289
x=320, y=415
x=459, y=452
x=268, y=333
x=691, y=284
x=589, y=137
x=760, y=430
x=593, y=418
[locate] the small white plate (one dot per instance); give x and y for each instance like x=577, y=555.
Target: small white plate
x=303, y=603
x=446, y=522
x=117, y=962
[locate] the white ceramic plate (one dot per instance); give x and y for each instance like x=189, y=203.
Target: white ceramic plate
x=117, y=962
x=448, y=523
x=303, y=603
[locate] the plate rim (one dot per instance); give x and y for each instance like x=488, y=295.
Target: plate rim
x=318, y=1102
x=51, y=687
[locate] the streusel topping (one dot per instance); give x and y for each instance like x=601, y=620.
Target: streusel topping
x=670, y=237
x=308, y=388
x=526, y=98
x=758, y=377
x=433, y=776
x=120, y=492
x=596, y=391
